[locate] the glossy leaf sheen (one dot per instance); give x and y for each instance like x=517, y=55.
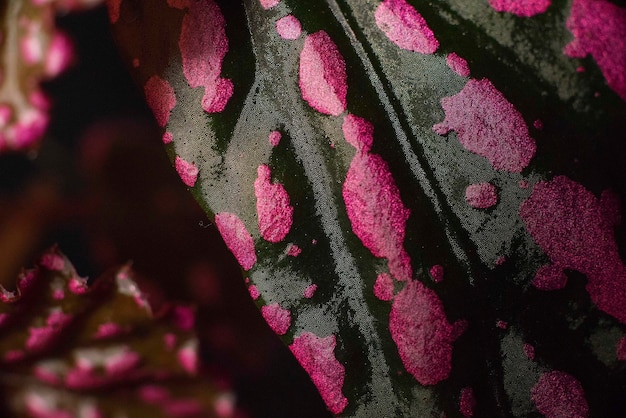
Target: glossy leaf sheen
x=397, y=141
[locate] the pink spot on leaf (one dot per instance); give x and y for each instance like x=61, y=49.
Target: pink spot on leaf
x=529, y=350
x=405, y=27
x=458, y=64
x=275, y=137
x=558, y=394
x=358, y=132
x=550, y=277
x=188, y=357
x=108, y=329
x=275, y=214
x=293, y=250
x=277, y=318
x=187, y=171
x=161, y=98
x=237, y=238
x=436, y=273
x=481, y=195
x=310, y=290
x=40, y=338
x=254, y=292
x=523, y=8
x=288, y=27
x=383, y=287
x=169, y=340
x=167, y=138
x=52, y=261
x=323, y=80
x=467, y=403
x=502, y=324
x=184, y=318
x=575, y=229
x=268, y=4
x=488, y=125
x=59, y=55
x=422, y=333
x=317, y=357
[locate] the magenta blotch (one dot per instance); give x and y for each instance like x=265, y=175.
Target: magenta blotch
x=277, y=318
x=169, y=340
x=317, y=357
x=275, y=214
x=436, y=273
x=322, y=75
x=549, y=277
x=523, y=8
x=184, y=318
x=598, y=27
x=120, y=363
x=457, y=64
x=188, y=357
x=488, y=125
x=203, y=45
x=502, y=324
x=187, y=171
x=40, y=337
x=274, y=138
x=529, y=350
x=268, y=4
x=59, y=55
x=558, y=394
x=405, y=27
x=108, y=329
x=289, y=27
x=254, y=292
x=467, y=403
x=575, y=229
x=293, y=250
x=383, y=287
x=310, y=290
x=621, y=349
x=237, y=238
x=52, y=261
x=422, y=333
x=161, y=98
x=167, y=138
x=481, y=195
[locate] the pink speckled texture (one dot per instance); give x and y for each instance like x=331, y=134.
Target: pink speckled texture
x=188, y=357
x=422, y=333
x=558, y=394
x=405, y=27
x=575, y=229
x=40, y=337
x=277, y=318
x=52, y=261
x=184, y=318
x=274, y=138
x=598, y=27
x=187, y=171
x=254, y=292
x=322, y=75
x=457, y=64
x=289, y=27
x=487, y=124
x=436, y=273
x=310, y=290
x=274, y=212
x=59, y=55
x=529, y=350
x=502, y=324
x=373, y=203
x=203, y=45
x=107, y=330
x=523, y=8
x=268, y=4
x=167, y=138
x=161, y=98
x=481, y=195
x=293, y=250
x=467, y=403
x=383, y=287
x=237, y=238
x=620, y=351
x=550, y=277
x=317, y=357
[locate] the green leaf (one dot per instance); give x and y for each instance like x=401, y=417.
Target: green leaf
x=416, y=192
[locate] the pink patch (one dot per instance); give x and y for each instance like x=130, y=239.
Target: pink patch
x=188, y=357
x=40, y=338
x=538, y=124
x=293, y=250
x=52, y=261
x=467, y=403
x=121, y=363
x=529, y=350
x=405, y=27
x=523, y=184
x=373, y=203
x=502, y=324
x=550, y=277
x=481, y=195
x=317, y=357
x=275, y=137
x=288, y=27
x=575, y=230
x=184, y=317
x=254, y=292
x=323, y=80
x=488, y=125
x=621, y=349
x=187, y=171
x=558, y=394
x=598, y=27
x=523, y=8
x=309, y=292
x=113, y=8
x=383, y=287
x=274, y=212
x=59, y=55
x=458, y=64
x=501, y=260
x=58, y=294
x=268, y=4
x=277, y=318
x=161, y=98
x=167, y=138
x=169, y=340
x=203, y=45
x=108, y=329
x=237, y=238
x=580, y=69
x=422, y=333
x=436, y=273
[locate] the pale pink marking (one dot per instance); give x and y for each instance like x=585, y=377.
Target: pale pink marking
x=405, y=27
x=30, y=126
x=289, y=27
x=310, y=290
x=523, y=8
x=376, y=212
x=458, y=64
x=113, y=9
x=293, y=250
x=580, y=69
x=523, y=184
x=538, y=124
x=558, y=394
x=225, y=406
x=481, y=195
x=322, y=75
x=167, y=138
x=203, y=45
x=188, y=357
x=187, y=171
x=277, y=318
x=268, y=4
x=40, y=337
x=529, y=350
x=30, y=45
x=575, y=229
x=621, y=349
x=467, y=403
x=52, y=261
x=46, y=375
x=274, y=138
x=275, y=214
x=317, y=357
x=237, y=238
x=59, y=55
x=254, y=292
x=436, y=272
x=383, y=287
x=5, y=115
x=160, y=97
x=170, y=340
x=488, y=125
x=422, y=333
x=108, y=329
x=598, y=27
x=119, y=364
x=502, y=324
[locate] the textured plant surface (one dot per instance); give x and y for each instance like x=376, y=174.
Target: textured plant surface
x=69, y=349
x=424, y=196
